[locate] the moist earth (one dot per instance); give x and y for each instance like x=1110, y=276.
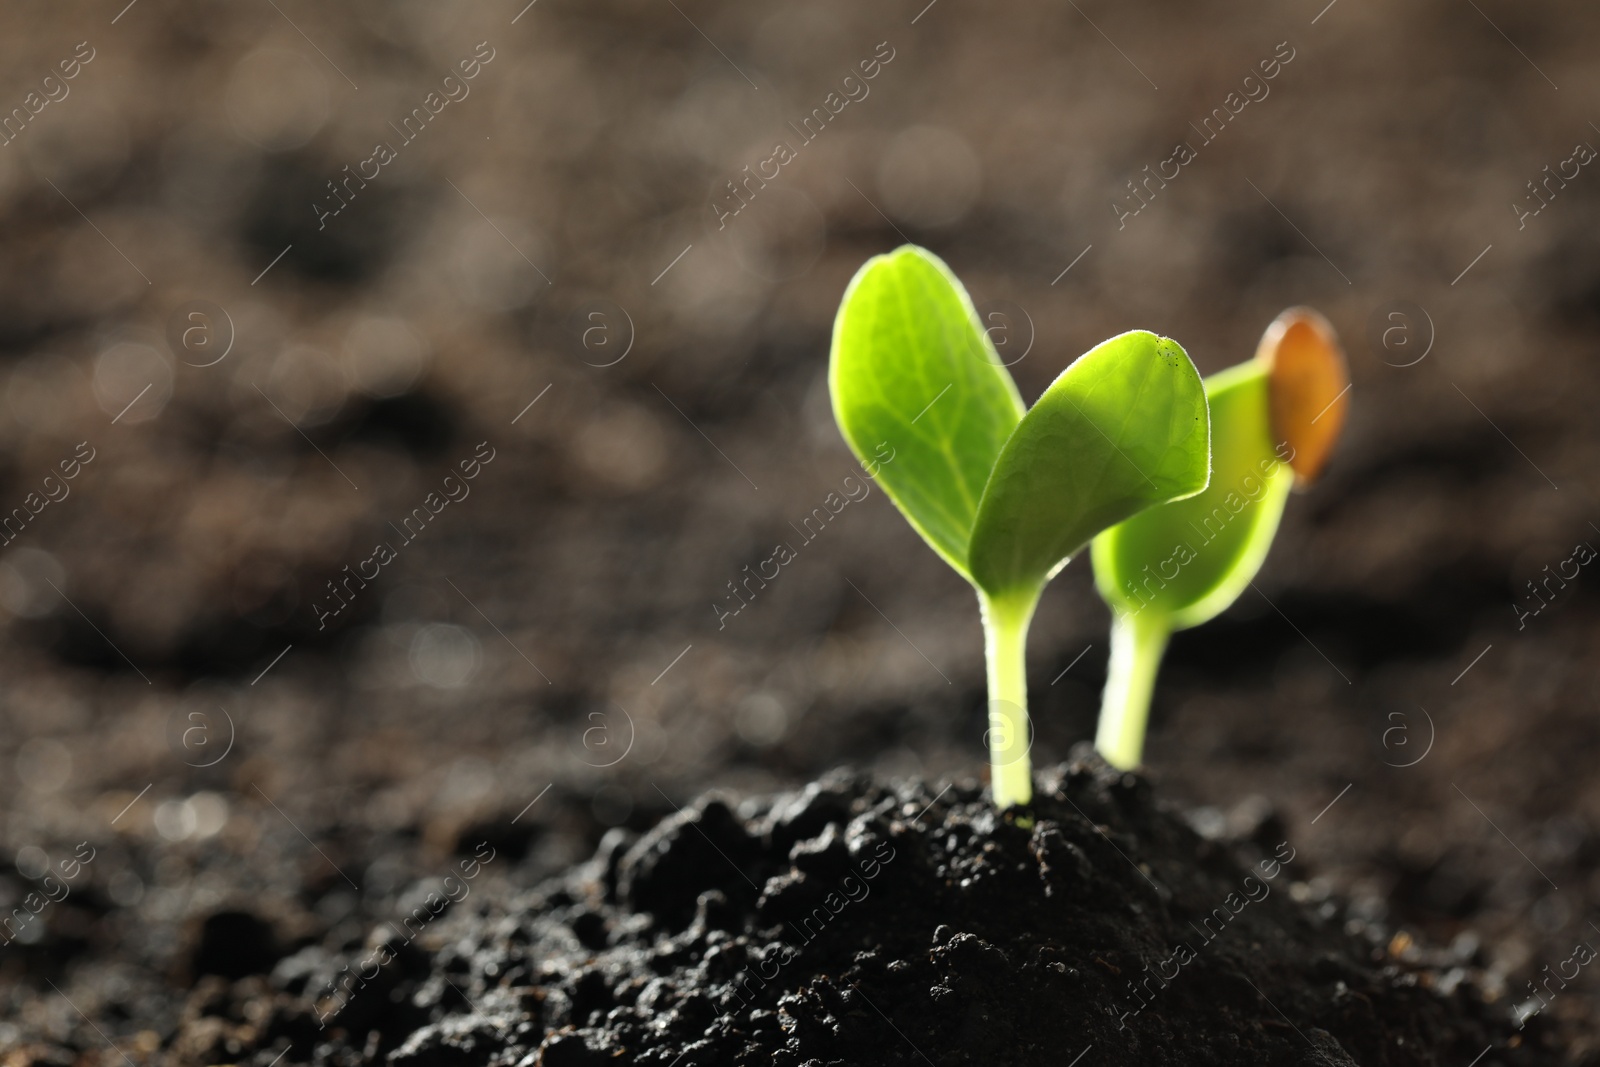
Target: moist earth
x=858, y=923
x=173, y=582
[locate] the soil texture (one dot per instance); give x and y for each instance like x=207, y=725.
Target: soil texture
x=850, y=923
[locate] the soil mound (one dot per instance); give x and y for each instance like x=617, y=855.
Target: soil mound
x=851, y=923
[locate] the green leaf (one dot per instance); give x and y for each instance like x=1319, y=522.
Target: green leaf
x=1190, y=559
x=1124, y=427
x=914, y=376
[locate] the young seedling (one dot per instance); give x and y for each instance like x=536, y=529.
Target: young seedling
x=1274, y=420
x=1006, y=495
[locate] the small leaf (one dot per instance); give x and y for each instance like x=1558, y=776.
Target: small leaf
x=1309, y=388
x=913, y=374
x=1124, y=427
x=1189, y=559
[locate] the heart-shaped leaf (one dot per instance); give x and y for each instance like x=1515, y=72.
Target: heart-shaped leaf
x=1187, y=560
x=913, y=371
x=1124, y=427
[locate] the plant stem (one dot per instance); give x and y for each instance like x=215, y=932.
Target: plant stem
x=1005, y=628
x=1137, y=641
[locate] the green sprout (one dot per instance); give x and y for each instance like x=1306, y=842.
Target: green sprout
x=1005, y=494
x=1274, y=420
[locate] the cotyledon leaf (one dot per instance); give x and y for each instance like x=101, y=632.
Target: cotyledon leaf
x=1124, y=427
x=913, y=376
x=1189, y=559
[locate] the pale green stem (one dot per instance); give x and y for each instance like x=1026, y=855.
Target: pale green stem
x=1137, y=641
x=1005, y=628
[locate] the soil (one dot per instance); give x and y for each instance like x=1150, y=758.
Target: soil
x=235, y=785
x=851, y=923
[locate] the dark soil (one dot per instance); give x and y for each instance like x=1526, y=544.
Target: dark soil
x=852, y=923
x=536, y=642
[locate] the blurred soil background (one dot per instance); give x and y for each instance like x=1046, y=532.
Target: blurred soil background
x=253, y=773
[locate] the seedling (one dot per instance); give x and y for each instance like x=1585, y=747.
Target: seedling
x=1274, y=420
x=1006, y=494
